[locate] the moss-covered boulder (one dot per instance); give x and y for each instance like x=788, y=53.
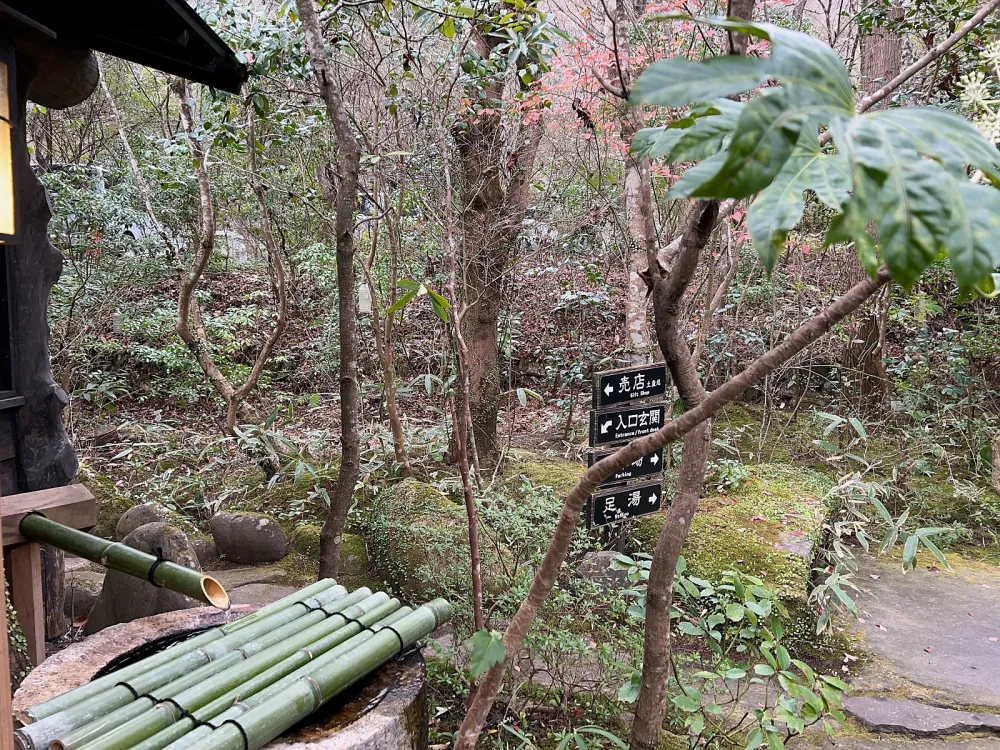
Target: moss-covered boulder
x=542, y=471
x=111, y=504
x=305, y=539
x=418, y=540
x=768, y=527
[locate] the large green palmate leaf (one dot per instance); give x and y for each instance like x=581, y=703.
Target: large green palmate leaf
x=912, y=213
x=764, y=137
x=779, y=207
x=811, y=70
x=908, y=197
x=695, y=176
x=974, y=247
x=656, y=141
x=943, y=135
x=676, y=82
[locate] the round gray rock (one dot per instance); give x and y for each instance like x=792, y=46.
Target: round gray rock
x=82, y=589
x=125, y=598
x=140, y=515
x=248, y=539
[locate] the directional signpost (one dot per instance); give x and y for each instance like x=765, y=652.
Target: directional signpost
x=623, y=386
x=626, y=502
x=651, y=463
x=619, y=425
x=628, y=403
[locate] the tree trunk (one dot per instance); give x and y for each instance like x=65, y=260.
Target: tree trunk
x=340, y=189
x=495, y=184
x=863, y=357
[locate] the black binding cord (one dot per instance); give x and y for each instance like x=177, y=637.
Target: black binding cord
x=160, y=559
x=243, y=733
x=135, y=693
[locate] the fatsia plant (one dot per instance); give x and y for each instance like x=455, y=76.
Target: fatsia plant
x=906, y=170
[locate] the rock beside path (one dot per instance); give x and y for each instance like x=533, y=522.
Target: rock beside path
x=244, y=538
x=125, y=597
x=900, y=716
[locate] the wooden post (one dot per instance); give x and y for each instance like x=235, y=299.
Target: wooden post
x=6, y=710
x=26, y=596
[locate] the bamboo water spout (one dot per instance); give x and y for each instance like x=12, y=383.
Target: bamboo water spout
x=118, y=556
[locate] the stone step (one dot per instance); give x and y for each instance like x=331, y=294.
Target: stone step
x=902, y=716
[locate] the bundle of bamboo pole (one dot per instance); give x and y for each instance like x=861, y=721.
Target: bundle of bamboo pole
x=190, y=693
x=118, y=556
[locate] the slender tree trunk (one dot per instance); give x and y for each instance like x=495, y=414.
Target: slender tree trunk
x=189, y=326
x=341, y=191
x=462, y=412
x=548, y=570
x=996, y=463
x=495, y=185
x=863, y=356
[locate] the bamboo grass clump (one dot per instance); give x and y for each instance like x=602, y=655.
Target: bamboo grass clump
x=178, y=697
x=118, y=556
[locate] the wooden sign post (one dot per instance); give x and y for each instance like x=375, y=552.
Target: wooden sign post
x=627, y=403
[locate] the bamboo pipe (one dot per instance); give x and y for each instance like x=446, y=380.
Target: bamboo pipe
x=266, y=721
x=187, y=668
x=97, y=687
x=233, y=706
x=159, y=716
x=183, y=732
x=118, y=556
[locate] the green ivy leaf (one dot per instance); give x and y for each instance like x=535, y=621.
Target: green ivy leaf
x=678, y=82
x=487, y=648
x=686, y=703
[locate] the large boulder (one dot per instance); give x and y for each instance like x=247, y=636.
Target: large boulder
x=140, y=515
x=767, y=527
x=125, y=598
x=248, y=538
x=418, y=540
x=111, y=504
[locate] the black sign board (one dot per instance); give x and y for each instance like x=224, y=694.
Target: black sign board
x=616, y=425
x=651, y=463
x=621, y=386
x=627, y=502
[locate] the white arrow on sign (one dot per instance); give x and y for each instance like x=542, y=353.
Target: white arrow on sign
x=605, y=427
x=608, y=389
x=655, y=459
x=652, y=498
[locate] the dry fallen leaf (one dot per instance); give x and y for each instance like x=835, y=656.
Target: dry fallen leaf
x=929, y=649
x=883, y=628
x=874, y=577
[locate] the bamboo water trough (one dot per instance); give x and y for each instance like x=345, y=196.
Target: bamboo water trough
x=239, y=685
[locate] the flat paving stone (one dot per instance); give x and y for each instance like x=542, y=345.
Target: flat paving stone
x=902, y=716
x=898, y=743
x=259, y=593
x=933, y=628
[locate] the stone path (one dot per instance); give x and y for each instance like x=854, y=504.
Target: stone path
x=938, y=630
x=933, y=670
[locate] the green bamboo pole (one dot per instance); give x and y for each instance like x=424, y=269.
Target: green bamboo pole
x=97, y=687
x=233, y=709
x=267, y=720
x=162, y=715
x=118, y=556
x=186, y=670
x=183, y=732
